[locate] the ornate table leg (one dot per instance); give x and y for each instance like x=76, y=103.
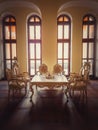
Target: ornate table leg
x=67, y=91
x=32, y=92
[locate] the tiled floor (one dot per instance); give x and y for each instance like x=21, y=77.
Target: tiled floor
x=49, y=111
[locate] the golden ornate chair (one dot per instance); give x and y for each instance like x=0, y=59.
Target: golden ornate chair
x=43, y=70
x=16, y=80
x=57, y=70
x=86, y=66
x=16, y=71
x=15, y=84
x=79, y=82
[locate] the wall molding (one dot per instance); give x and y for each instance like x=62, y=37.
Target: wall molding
x=19, y=3
x=80, y=3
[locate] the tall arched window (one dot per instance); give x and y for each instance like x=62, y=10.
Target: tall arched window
x=9, y=40
x=34, y=44
x=63, y=41
x=88, y=41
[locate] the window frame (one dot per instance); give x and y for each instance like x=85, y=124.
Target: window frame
x=9, y=41
x=64, y=40
x=89, y=41
x=34, y=42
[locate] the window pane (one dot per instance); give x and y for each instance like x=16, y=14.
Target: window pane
x=31, y=32
x=37, y=32
x=13, y=50
x=32, y=19
x=84, y=50
x=38, y=54
x=91, y=67
x=60, y=62
x=66, y=50
x=85, y=19
x=8, y=64
x=66, y=31
x=60, y=31
x=59, y=50
x=91, y=18
x=37, y=19
x=32, y=54
x=32, y=67
x=91, y=53
x=7, y=19
x=7, y=32
x=7, y=50
x=38, y=63
x=91, y=31
x=84, y=31
x=12, y=20
x=66, y=67
x=66, y=19
x=60, y=19
x=13, y=32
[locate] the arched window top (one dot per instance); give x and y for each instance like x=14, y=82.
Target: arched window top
x=9, y=19
x=34, y=19
x=63, y=19
x=89, y=18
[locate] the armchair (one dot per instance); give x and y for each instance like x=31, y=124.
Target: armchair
x=58, y=70
x=86, y=66
x=79, y=82
x=15, y=84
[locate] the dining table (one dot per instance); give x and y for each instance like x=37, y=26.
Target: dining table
x=48, y=81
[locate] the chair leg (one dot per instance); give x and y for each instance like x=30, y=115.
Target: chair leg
x=66, y=93
x=85, y=95
x=19, y=93
x=13, y=92
x=72, y=93
x=9, y=94
x=25, y=90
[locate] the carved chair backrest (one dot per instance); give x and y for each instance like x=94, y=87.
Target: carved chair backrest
x=16, y=68
x=43, y=69
x=8, y=74
x=85, y=68
x=57, y=69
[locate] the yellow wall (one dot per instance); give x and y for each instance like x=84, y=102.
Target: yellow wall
x=49, y=11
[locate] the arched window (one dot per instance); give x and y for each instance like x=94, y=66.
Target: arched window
x=63, y=41
x=9, y=40
x=88, y=41
x=34, y=44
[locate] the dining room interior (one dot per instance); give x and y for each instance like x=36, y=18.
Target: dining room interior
x=48, y=64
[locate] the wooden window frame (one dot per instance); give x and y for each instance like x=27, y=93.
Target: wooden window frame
x=90, y=40
x=68, y=40
x=34, y=41
x=9, y=41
